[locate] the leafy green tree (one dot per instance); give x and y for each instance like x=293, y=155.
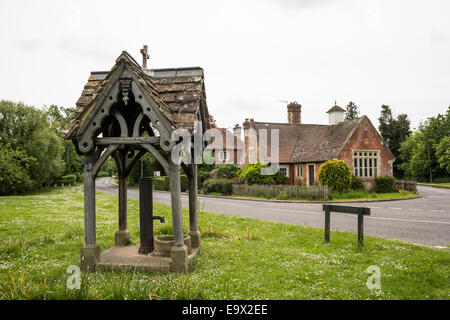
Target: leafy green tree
x=351, y=112
x=394, y=132
x=419, y=151
x=443, y=153
x=14, y=165
x=336, y=174
x=28, y=129
x=226, y=171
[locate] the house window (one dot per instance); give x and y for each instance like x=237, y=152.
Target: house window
x=299, y=170
x=283, y=171
x=365, y=164
x=223, y=155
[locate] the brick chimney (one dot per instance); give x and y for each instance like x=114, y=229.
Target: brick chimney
x=294, y=113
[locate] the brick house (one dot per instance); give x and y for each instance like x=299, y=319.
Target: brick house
x=231, y=149
x=304, y=147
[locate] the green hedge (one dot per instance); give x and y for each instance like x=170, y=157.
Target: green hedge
x=385, y=184
x=223, y=186
x=163, y=183
x=356, y=183
x=67, y=179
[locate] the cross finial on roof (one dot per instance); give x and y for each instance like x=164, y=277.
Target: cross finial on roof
x=145, y=56
x=335, y=103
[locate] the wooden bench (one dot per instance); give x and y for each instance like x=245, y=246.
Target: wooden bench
x=360, y=211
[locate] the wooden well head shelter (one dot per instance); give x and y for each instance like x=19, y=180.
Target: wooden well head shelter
x=124, y=113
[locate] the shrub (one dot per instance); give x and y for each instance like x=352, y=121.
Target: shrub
x=384, y=184
x=356, y=183
x=70, y=178
x=336, y=174
x=163, y=183
x=252, y=175
x=226, y=171
x=223, y=186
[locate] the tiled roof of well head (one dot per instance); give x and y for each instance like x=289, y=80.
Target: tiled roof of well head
x=178, y=92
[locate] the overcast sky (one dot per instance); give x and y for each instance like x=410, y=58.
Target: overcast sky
x=255, y=54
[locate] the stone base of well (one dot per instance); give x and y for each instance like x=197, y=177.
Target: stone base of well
x=128, y=258
x=89, y=257
x=122, y=238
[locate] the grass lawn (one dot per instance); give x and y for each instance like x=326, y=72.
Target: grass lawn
x=41, y=235
x=347, y=196
x=362, y=195
x=440, y=184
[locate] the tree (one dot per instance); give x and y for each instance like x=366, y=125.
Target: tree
x=419, y=152
x=14, y=176
x=29, y=130
x=351, y=112
x=394, y=132
x=443, y=153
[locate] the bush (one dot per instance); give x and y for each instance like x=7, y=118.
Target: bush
x=67, y=179
x=356, y=183
x=385, y=184
x=223, y=186
x=252, y=175
x=163, y=183
x=226, y=171
x=335, y=174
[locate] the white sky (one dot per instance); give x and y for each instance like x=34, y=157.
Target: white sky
x=254, y=53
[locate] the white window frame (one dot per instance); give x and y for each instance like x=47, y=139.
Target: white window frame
x=299, y=171
x=223, y=155
x=366, y=163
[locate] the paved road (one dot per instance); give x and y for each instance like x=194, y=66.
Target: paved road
x=423, y=221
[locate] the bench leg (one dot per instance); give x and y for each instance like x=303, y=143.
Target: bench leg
x=327, y=226
x=360, y=230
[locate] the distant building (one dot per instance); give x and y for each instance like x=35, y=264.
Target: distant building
x=304, y=147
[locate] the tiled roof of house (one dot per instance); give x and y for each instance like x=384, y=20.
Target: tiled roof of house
x=309, y=142
x=321, y=143
x=229, y=141
x=179, y=93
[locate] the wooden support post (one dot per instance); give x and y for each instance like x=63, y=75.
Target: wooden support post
x=122, y=235
x=327, y=226
x=175, y=197
x=193, y=207
x=123, y=184
x=193, y=210
x=360, y=230
x=90, y=252
x=89, y=200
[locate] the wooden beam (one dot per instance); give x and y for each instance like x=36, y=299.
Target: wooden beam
x=102, y=158
x=126, y=140
x=346, y=209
